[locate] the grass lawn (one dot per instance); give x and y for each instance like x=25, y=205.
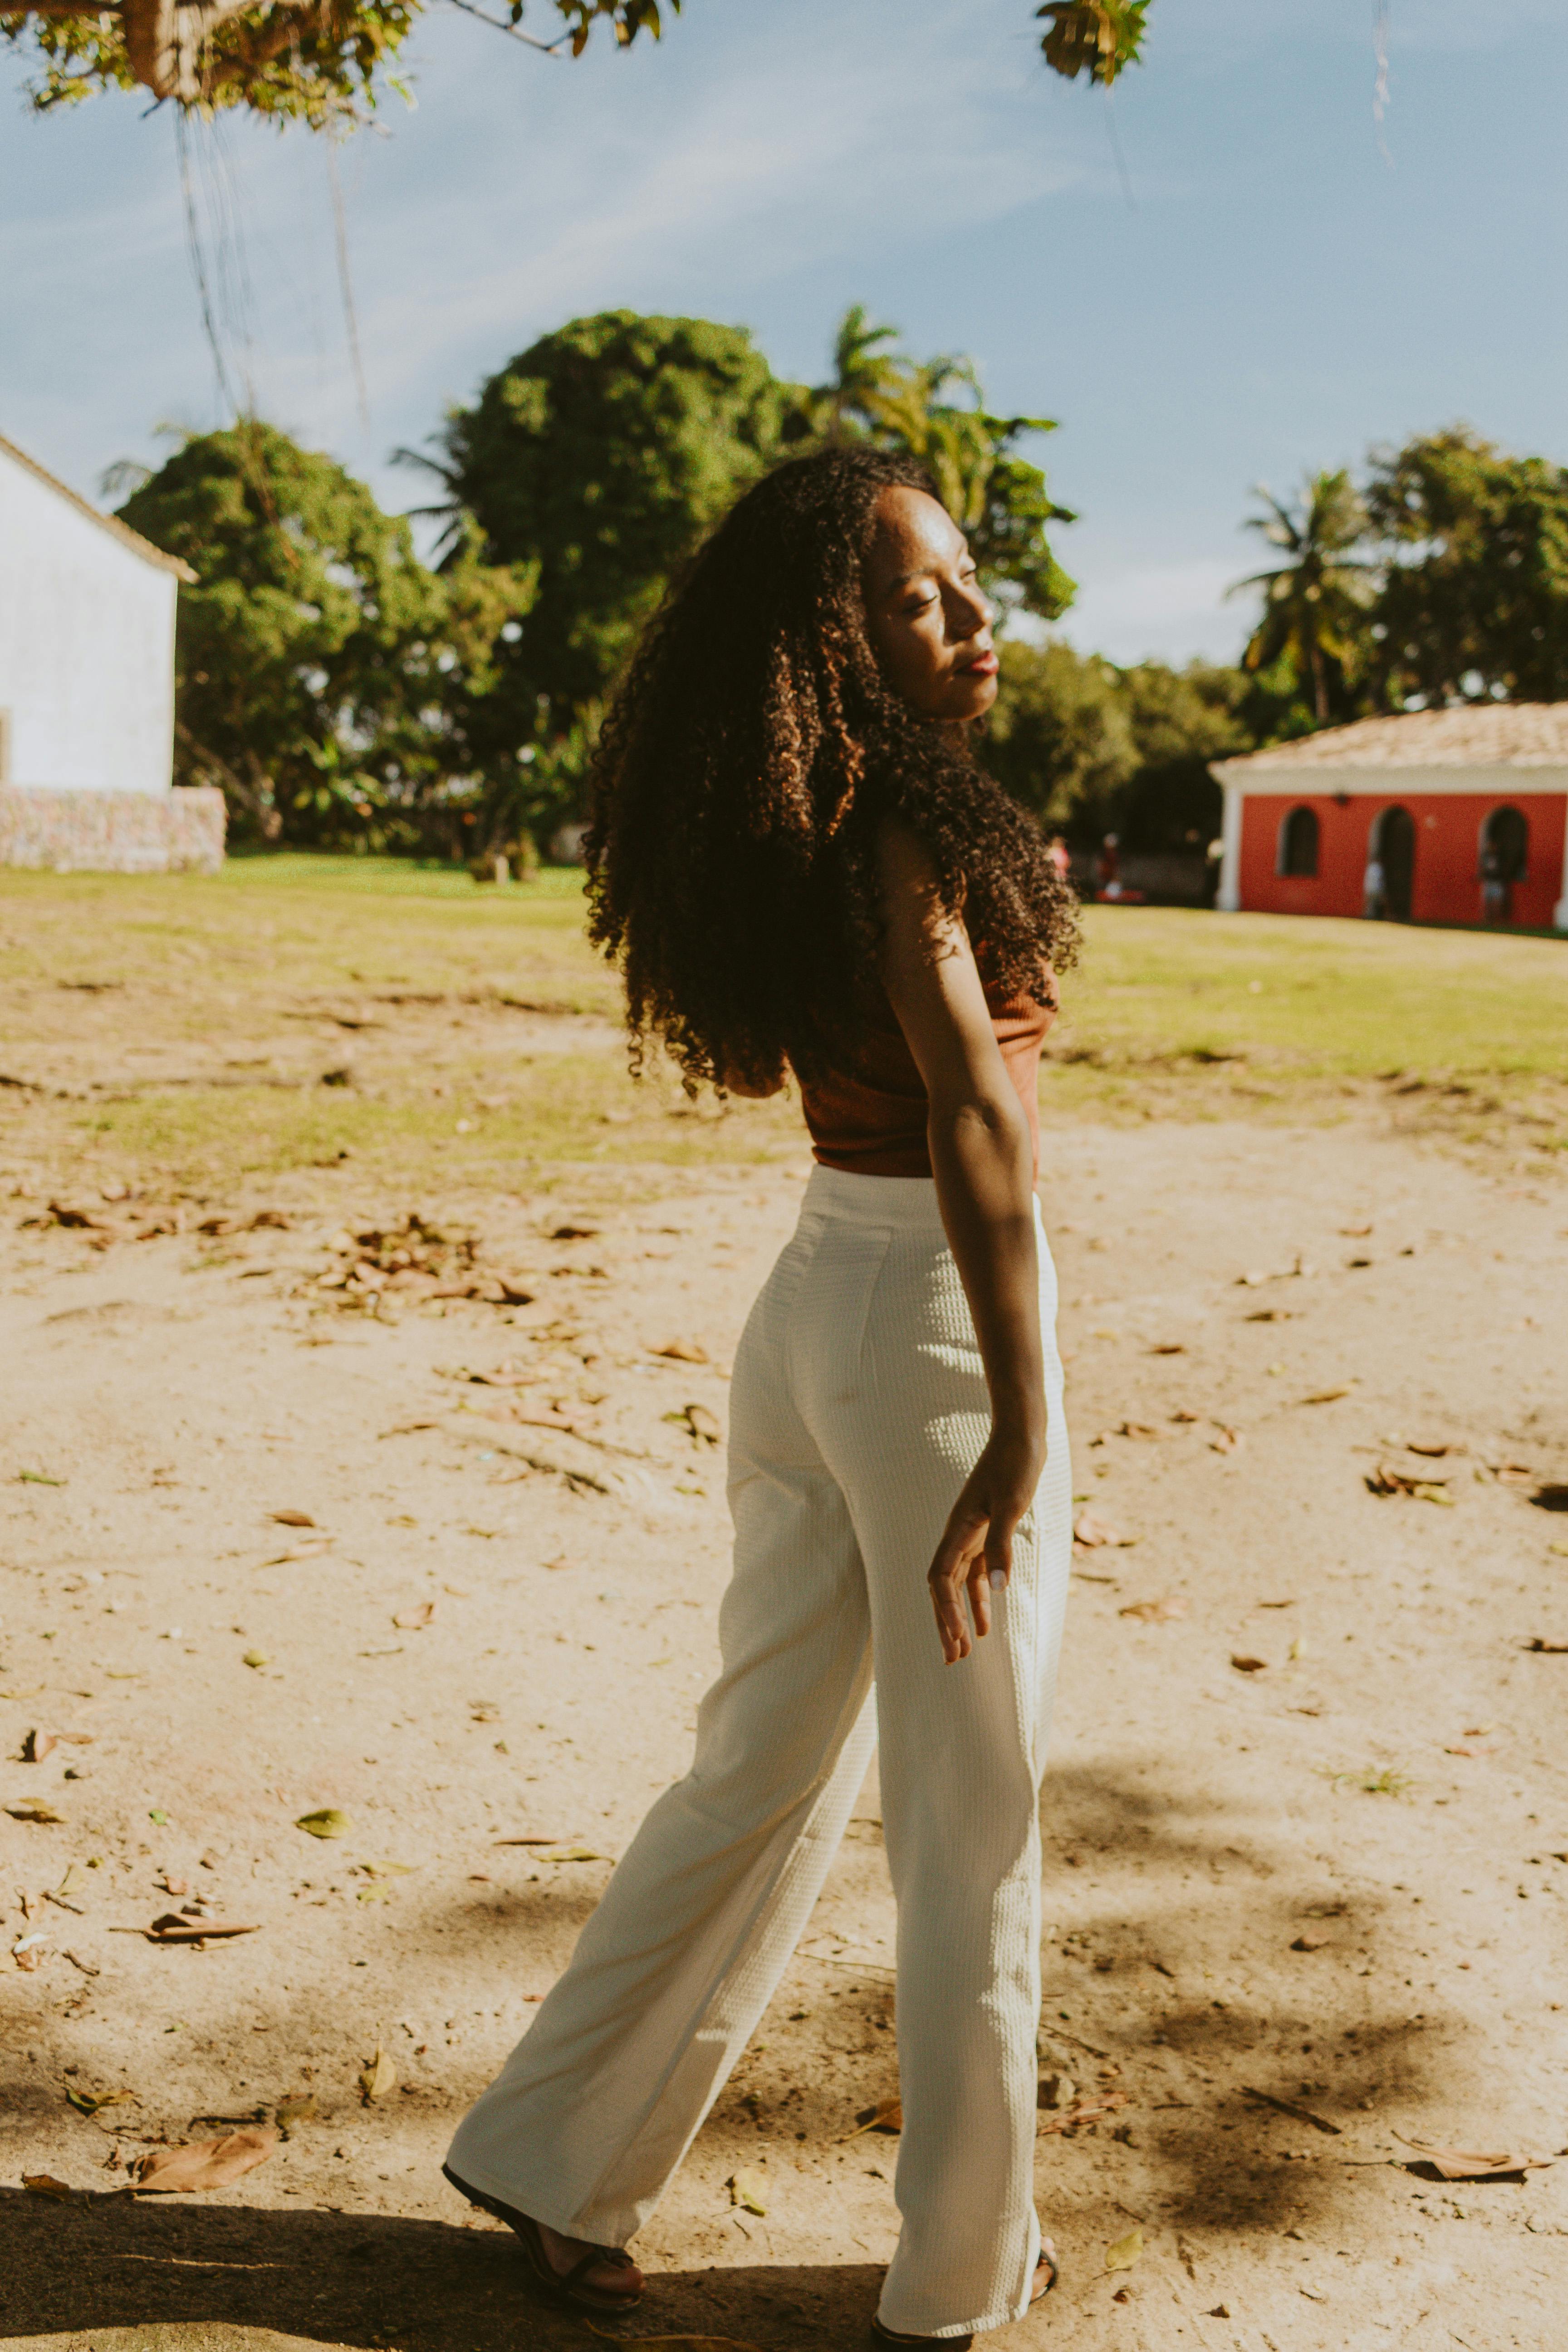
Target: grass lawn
x=295, y=1009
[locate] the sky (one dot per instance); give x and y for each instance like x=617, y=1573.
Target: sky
x=1227, y=271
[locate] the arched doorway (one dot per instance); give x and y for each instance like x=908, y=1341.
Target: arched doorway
x=1298, y=851
x=1504, y=860
x=1393, y=847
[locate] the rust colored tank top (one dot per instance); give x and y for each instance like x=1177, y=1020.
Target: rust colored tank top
x=871, y=1118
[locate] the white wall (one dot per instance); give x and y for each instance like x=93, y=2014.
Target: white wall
x=87, y=647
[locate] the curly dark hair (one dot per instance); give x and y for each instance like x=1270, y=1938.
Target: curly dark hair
x=752, y=752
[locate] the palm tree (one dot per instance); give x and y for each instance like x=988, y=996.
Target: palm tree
x=1313, y=603
x=864, y=370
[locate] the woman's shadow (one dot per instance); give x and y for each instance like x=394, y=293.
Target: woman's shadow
x=106, y=2263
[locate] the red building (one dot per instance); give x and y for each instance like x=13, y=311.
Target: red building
x=1433, y=816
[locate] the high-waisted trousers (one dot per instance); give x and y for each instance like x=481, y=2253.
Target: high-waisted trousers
x=859, y=1407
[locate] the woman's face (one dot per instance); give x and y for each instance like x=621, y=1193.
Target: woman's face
x=928, y=623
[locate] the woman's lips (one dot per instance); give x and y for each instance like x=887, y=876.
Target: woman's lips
x=982, y=666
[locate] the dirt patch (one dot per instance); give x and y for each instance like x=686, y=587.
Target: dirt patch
x=1306, y=1824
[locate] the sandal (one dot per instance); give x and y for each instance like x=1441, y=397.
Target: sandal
x=882, y=2334
x=561, y=2286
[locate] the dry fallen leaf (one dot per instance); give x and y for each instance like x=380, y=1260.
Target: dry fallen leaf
x=413, y=1619
x=1226, y=1442
x=572, y=1853
x=377, y=2076
x=326, y=1824
x=299, y=1551
x=1246, y=1666
x=32, y=1808
x=44, y=2184
x=1157, y=1613
x=1091, y=1531
x=1091, y=2109
x=299, y=2108
x=703, y=1424
x=179, y=1927
x=1309, y=1943
x=886, y=2116
x=1543, y=1642
x=748, y=2188
x=1122, y=2252
x=257, y=1658
x=672, y=2343
x=1465, y=2164
x=1329, y=1396
x=205, y=2163
x=1386, y=1480
x=682, y=1352
x=1169, y=1347
x=87, y=2103
x=293, y=1518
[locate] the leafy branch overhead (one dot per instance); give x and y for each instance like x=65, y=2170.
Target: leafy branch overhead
x=324, y=61
x=1098, y=38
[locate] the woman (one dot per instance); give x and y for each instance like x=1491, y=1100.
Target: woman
x=798, y=865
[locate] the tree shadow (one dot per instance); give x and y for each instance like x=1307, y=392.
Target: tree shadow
x=118, y=2262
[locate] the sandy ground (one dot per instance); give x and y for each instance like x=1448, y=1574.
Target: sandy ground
x=1386, y=1788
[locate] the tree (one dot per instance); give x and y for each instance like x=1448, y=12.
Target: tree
x=935, y=411
x=1180, y=720
x=597, y=459
x=1315, y=602
x=1473, y=601
x=1092, y=748
x=320, y=61
x=1097, y=38
x=324, y=677
x=1059, y=738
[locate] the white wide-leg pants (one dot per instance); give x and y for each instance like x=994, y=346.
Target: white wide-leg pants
x=858, y=1406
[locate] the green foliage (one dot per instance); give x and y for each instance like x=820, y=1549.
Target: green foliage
x=597, y=459
x=1458, y=592
x=320, y=62
x=324, y=677
x=1474, y=596
x=1092, y=748
x=1098, y=38
x=1315, y=602
x=600, y=456
x=317, y=61
x=935, y=410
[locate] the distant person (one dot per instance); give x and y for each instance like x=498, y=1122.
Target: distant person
x=1108, y=868
x=1373, y=890
x=1060, y=855
x=799, y=864
x=1495, y=892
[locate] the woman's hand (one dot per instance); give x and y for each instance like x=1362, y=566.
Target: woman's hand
x=975, y=1553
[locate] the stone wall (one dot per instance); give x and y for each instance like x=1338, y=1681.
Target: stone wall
x=178, y=831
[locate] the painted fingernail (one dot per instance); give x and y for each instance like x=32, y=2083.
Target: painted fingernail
x=998, y=1579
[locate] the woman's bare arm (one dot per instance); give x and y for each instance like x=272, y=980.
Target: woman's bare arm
x=980, y=1154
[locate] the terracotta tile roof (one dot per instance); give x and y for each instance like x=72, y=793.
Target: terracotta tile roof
x=1477, y=735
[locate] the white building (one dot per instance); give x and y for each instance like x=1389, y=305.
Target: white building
x=87, y=689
